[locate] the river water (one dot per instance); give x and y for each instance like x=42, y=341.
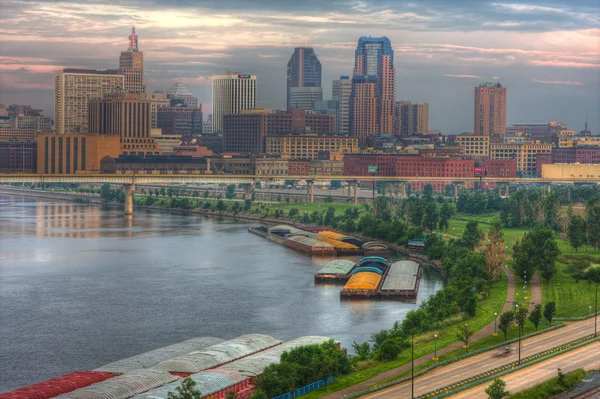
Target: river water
x=81, y=286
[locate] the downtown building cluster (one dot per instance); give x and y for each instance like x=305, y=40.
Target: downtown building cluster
x=106, y=122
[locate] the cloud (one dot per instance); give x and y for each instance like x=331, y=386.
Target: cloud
x=564, y=64
x=462, y=76
x=559, y=82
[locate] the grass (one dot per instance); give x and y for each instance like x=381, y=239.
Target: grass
x=484, y=316
x=552, y=387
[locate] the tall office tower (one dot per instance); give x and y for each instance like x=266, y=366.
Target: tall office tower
x=128, y=116
x=131, y=65
x=304, y=97
x=373, y=64
x=181, y=120
x=341, y=90
x=73, y=89
x=490, y=109
x=231, y=94
x=411, y=118
x=158, y=99
x=182, y=95
x=303, y=70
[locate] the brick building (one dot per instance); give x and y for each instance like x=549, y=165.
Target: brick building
x=183, y=120
x=308, y=146
x=576, y=155
x=18, y=157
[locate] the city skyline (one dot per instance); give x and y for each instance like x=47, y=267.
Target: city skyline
x=551, y=74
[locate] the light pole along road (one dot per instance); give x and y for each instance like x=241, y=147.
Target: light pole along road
x=446, y=375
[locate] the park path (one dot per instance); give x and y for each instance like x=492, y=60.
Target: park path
x=536, y=291
x=486, y=331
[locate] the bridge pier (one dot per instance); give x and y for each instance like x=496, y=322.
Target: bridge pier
x=310, y=191
x=128, y=189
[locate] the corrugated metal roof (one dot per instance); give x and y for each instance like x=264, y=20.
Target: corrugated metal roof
x=363, y=281
x=207, y=382
x=218, y=354
x=341, y=266
x=311, y=242
x=152, y=358
x=401, y=276
x=123, y=386
x=57, y=386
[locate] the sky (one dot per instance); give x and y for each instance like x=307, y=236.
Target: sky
x=546, y=52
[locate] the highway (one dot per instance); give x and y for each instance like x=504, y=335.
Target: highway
x=471, y=366
x=587, y=358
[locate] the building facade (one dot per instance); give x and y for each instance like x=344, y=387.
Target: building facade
x=474, y=146
x=12, y=134
x=73, y=89
x=18, y=157
x=408, y=165
x=131, y=65
x=180, y=120
x=525, y=154
x=127, y=116
x=535, y=130
x=411, y=118
x=180, y=94
x=158, y=99
x=490, y=109
x=500, y=168
x=308, y=147
x=373, y=69
x=341, y=91
x=303, y=70
x=304, y=97
x=583, y=155
x=569, y=171
x=231, y=94
x=74, y=153
x=39, y=123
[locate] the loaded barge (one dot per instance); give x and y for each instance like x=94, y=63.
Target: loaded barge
x=335, y=271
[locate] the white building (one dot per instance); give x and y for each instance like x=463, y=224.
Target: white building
x=232, y=93
x=207, y=125
x=341, y=90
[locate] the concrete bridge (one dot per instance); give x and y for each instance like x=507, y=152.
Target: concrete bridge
x=130, y=180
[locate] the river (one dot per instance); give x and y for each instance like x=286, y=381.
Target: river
x=81, y=286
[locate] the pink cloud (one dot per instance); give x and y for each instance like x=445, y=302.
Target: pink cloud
x=9, y=82
x=462, y=76
x=566, y=64
x=559, y=82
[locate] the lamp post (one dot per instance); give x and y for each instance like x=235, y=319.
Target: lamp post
x=590, y=307
x=435, y=358
x=519, y=329
x=596, y=314
x=412, y=350
x=495, y=320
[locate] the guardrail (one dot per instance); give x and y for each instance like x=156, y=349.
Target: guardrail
x=306, y=389
x=578, y=318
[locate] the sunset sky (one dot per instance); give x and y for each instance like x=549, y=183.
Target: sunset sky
x=546, y=52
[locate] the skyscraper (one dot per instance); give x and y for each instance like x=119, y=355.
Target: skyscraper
x=131, y=65
x=303, y=70
x=73, y=89
x=341, y=91
x=490, y=109
x=411, y=118
x=180, y=92
x=231, y=94
x=373, y=68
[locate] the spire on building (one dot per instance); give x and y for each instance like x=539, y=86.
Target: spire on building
x=133, y=40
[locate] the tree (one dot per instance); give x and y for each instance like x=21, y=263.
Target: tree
x=259, y=394
x=521, y=316
x=231, y=395
x=497, y=389
x=549, y=311
x=472, y=235
x=293, y=212
x=427, y=190
x=221, y=206
x=446, y=214
x=230, y=192
x=362, y=350
x=577, y=233
x=431, y=216
x=335, y=184
x=536, y=315
x=494, y=251
x=206, y=194
x=464, y=334
x=330, y=216
x=506, y=319
x=106, y=192
x=593, y=222
x=187, y=390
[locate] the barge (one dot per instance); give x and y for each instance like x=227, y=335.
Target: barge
x=335, y=271
x=401, y=281
x=366, y=278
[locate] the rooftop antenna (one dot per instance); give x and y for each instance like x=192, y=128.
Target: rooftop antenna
x=133, y=40
x=586, y=120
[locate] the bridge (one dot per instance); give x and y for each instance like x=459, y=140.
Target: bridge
x=129, y=181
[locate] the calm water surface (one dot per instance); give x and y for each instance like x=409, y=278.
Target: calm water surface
x=81, y=286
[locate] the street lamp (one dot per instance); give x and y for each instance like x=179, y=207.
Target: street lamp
x=590, y=307
x=435, y=358
x=519, y=329
x=495, y=320
x=596, y=314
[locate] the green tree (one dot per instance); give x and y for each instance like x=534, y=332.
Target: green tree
x=221, y=206
x=464, y=335
x=472, y=235
x=536, y=315
x=335, y=184
x=521, y=316
x=247, y=204
x=328, y=199
x=106, y=193
x=593, y=222
x=330, y=216
x=497, y=390
x=206, y=194
x=293, y=212
x=231, y=395
x=363, y=351
x=446, y=214
x=187, y=390
x=549, y=311
x=259, y=394
x=431, y=216
x=494, y=251
x=230, y=191
x=506, y=319
x=427, y=190
x=577, y=233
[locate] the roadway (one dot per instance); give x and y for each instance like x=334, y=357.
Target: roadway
x=587, y=357
x=443, y=376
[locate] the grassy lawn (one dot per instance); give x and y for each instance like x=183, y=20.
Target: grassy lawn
x=484, y=316
x=310, y=208
x=551, y=387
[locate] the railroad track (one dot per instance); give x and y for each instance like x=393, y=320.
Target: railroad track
x=593, y=393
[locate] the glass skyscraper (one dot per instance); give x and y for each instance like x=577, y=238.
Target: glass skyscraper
x=303, y=70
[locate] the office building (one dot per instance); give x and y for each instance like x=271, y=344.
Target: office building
x=181, y=120
x=158, y=99
x=490, y=109
x=131, y=65
x=18, y=156
x=304, y=97
x=341, y=91
x=309, y=146
x=73, y=89
x=74, y=153
x=303, y=71
x=525, y=154
x=474, y=146
x=128, y=116
x=39, y=123
x=373, y=88
x=232, y=93
x=207, y=125
x=180, y=94
x=411, y=118
x=13, y=134
x=536, y=130
x=576, y=155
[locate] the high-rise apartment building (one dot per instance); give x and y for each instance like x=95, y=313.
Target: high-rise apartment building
x=128, y=116
x=184, y=96
x=74, y=88
x=232, y=93
x=303, y=70
x=490, y=109
x=131, y=65
x=341, y=91
x=304, y=97
x=158, y=99
x=411, y=118
x=373, y=88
